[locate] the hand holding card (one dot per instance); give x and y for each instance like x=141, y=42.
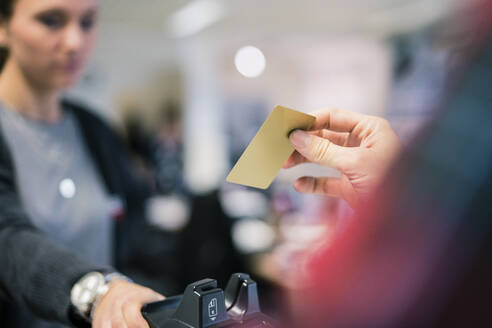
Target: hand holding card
x=361, y=147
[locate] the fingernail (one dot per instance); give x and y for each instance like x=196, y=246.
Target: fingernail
x=300, y=139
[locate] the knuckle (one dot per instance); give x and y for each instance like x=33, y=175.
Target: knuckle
x=320, y=150
x=384, y=123
x=325, y=187
x=314, y=186
x=333, y=110
x=117, y=323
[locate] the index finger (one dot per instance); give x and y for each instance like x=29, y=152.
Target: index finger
x=336, y=120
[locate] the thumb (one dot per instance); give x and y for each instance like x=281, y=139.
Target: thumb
x=153, y=296
x=321, y=151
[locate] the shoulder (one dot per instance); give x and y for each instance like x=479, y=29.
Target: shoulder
x=98, y=133
x=94, y=127
x=86, y=116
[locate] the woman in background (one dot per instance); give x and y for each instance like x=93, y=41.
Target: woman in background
x=64, y=179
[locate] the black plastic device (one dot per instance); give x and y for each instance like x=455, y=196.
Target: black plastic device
x=203, y=305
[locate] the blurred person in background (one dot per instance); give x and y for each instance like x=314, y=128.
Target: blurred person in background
x=167, y=211
x=182, y=224
x=418, y=252
x=69, y=197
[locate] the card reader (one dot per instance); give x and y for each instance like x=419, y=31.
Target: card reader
x=204, y=305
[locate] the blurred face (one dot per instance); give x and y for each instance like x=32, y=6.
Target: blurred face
x=51, y=40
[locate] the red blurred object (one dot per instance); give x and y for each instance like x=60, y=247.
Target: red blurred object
x=415, y=257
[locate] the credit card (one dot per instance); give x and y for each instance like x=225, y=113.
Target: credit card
x=269, y=149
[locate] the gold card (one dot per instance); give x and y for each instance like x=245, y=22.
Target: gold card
x=269, y=149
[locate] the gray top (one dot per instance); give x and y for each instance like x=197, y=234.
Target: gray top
x=59, y=186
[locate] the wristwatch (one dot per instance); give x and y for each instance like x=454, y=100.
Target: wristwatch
x=88, y=291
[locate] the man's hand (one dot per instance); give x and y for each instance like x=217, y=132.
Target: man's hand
x=121, y=306
x=361, y=147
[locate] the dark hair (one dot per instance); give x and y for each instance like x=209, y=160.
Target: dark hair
x=6, y=9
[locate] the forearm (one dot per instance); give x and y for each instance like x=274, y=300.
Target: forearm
x=36, y=273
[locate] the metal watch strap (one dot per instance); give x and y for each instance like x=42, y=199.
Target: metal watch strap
x=109, y=278
x=97, y=288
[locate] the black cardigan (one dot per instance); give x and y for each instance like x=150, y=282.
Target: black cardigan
x=34, y=272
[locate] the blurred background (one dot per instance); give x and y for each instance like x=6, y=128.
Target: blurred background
x=189, y=82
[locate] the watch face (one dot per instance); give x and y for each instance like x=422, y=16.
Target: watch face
x=85, y=291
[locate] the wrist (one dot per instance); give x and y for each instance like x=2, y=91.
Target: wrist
x=88, y=291
x=110, y=280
